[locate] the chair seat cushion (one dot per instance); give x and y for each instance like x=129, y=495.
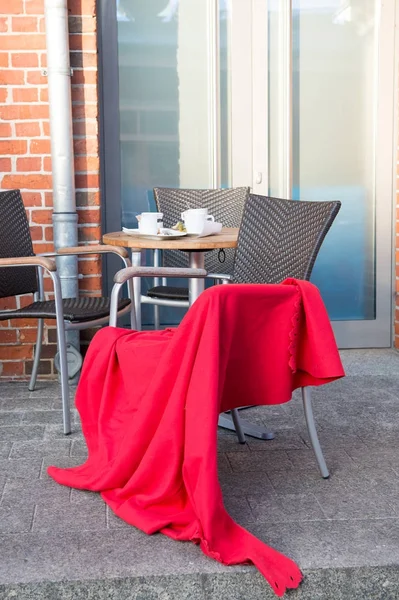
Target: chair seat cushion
x=76, y=310
x=168, y=292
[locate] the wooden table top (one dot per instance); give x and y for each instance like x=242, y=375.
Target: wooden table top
x=226, y=239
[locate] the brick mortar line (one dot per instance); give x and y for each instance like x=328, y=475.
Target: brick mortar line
x=43, y=138
x=39, y=51
x=50, y=209
x=12, y=33
x=42, y=171
x=32, y=86
x=45, y=104
x=28, y=155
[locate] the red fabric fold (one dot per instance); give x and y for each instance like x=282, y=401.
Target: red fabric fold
x=149, y=404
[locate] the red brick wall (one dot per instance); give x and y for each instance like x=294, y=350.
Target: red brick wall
x=25, y=161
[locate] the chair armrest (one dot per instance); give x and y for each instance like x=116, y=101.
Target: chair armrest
x=50, y=266
x=27, y=261
x=130, y=272
x=97, y=249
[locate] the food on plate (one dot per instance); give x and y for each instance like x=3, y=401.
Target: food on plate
x=179, y=226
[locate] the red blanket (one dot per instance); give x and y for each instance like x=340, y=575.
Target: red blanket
x=149, y=404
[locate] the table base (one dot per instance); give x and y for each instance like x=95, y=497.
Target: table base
x=250, y=429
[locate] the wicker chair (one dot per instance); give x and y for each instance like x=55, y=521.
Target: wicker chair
x=21, y=272
x=280, y=239
x=226, y=205
x=277, y=239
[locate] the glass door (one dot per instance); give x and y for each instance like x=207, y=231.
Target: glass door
x=170, y=84
x=295, y=98
x=319, y=125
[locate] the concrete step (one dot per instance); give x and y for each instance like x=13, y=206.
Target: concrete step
x=374, y=583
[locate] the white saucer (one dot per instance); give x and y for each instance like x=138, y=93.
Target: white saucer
x=166, y=234
x=210, y=228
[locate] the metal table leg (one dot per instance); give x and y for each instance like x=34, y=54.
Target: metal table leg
x=136, y=262
x=196, y=286
x=195, y=289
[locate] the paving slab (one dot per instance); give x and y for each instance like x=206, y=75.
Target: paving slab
x=41, y=448
x=343, y=532
x=19, y=433
x=26, y=469
x=5, y=448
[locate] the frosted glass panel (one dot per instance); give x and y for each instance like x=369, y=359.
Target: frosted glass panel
x=334, y=105
x=225, y=93
x=165, y=98
x=276, y=104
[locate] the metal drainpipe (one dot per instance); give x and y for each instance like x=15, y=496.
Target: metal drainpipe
x=65, y=217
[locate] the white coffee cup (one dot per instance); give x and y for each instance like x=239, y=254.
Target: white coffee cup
x=195, y=218
x=150, y=222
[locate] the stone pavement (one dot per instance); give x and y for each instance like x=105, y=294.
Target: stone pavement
x=57, y=543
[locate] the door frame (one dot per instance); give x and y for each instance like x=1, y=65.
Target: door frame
x=250, y=155
x=110, y=164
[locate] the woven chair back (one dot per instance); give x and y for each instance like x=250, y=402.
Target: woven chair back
x=15, y=241
x=280, y=238
x=225, y=205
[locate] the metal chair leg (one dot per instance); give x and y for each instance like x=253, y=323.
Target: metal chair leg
x=66, y=414
x=157, y=260
x=237, y=425
x=36, y=360
x=157, y=322
x=133, y=320
x=61, y=342
x=314, y=440
x=39, y=295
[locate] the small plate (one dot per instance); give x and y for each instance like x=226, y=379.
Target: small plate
x=133, y=231
x=166, y=234
x=210, y=228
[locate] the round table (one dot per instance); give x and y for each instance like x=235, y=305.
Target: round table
x=193, y=245
x=195, y=248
